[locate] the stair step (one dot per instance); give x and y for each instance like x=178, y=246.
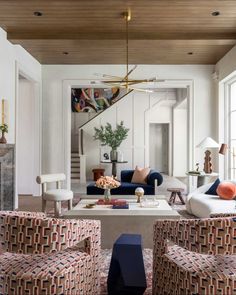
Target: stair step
x=75, y=164
x=74, y=160
x=74, y=155
x=75, y=169
x=75, y=175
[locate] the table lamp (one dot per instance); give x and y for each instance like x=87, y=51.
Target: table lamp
x=223, y=150
x=207, y=143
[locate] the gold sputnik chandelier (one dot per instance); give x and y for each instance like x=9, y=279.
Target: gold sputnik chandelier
x=126, y=82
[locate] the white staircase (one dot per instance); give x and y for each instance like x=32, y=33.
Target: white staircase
x=75, y=168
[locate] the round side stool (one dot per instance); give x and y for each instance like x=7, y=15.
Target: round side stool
x=57, y=196
x=97, y=173
x=175, y=192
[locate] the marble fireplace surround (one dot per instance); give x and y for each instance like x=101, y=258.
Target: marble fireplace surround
x=7, y=176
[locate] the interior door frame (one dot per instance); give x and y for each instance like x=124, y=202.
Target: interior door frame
x=189, y=85
x=37, y=104
x=67, y=84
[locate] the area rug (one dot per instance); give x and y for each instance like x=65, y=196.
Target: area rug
x=106, y=258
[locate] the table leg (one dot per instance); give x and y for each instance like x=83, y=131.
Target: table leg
x=201, y=180
x=114, y=172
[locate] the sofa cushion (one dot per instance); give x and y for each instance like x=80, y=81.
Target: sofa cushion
x=126, y=188
x=213, y=188
x=226, y=190
x=129, y=189
x=204, y=206
x=154, y=175
x=126, y=175
x=140, y=175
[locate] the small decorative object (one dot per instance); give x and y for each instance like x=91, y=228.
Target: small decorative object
x=197, y=167
x=139, y=192
x=110, y=137
x=208, y=143
x=4, y=129
x=89, y=206
x=106, y=157
x=149, y=203
x=107, y=183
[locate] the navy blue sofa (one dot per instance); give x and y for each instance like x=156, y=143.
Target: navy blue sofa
x=127, y=188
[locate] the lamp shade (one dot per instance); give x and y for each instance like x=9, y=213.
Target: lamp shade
x=208, y=142
x=223, y=149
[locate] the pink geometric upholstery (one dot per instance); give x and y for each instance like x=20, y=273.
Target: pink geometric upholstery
x=194, y=257
x=48, y=256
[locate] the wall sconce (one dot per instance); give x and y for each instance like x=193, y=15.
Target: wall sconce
x=207, y=143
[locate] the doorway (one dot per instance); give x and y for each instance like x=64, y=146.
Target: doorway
x=27, y=137
x=159, y=147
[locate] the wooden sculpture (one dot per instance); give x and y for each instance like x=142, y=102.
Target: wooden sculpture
x=207, y=163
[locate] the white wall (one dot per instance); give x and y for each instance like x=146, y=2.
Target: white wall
x=14, y=60
x=227, y=65
x=10, y=56
x=54, y=76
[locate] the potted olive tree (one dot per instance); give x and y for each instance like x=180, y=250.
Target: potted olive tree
x=112, y=138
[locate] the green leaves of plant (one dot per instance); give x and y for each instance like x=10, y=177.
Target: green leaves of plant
x=110, y=137
x=4, y=128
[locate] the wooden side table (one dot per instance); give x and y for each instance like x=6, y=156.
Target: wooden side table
x=97, y=173
x=175, y=192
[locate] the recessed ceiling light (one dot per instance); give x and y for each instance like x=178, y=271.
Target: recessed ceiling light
x=38, y=13
x=65, y=52
x=215, y=13
x=190, y=53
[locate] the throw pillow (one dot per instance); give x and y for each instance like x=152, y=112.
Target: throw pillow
x=140, y=175
x=213, y=188
x=226, y=190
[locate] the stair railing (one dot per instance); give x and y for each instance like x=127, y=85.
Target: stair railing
x=82, y=156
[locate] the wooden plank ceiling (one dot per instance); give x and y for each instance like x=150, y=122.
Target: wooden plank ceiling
x=93, y=31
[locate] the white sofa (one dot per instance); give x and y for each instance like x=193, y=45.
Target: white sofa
x=202, y=205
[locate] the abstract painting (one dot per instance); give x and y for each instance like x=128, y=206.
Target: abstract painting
x=94, y=99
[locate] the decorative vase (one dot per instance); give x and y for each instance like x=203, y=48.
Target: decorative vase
x=3, y=138
x=107, y=195
x=113, y=155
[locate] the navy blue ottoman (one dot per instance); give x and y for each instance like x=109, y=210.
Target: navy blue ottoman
x=127, y=274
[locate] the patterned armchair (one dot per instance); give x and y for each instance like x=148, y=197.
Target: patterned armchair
x=195, y=257
x=47, y=256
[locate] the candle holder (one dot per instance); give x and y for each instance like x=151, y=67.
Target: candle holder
x=139, y=192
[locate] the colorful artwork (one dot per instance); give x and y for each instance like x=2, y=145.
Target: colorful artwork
x=94, y=99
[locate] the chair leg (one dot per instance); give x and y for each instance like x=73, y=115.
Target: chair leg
x=70, y=204
x=44, y=202
x=57, y=208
